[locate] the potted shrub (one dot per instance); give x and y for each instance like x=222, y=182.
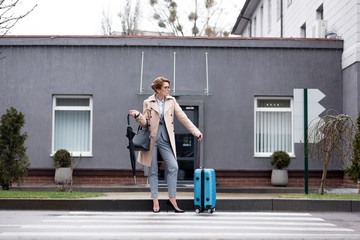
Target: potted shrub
x=62, y=162
x=279, y=176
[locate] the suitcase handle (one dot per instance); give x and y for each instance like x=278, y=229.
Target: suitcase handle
x=198, y=155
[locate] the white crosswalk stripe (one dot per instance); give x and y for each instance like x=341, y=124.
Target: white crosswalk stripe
x=156, y=221
x=141, y=225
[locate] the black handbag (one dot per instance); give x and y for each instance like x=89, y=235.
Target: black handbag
x=141, y=139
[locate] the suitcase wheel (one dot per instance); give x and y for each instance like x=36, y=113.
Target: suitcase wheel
x=211, y=210
x=197, y=211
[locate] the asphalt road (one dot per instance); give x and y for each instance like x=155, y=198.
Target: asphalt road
x=147, y=225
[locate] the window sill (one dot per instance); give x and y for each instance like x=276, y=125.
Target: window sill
x=76, y=154
x=268, y=155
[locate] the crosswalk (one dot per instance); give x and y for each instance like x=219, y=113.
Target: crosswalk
x=144, y=225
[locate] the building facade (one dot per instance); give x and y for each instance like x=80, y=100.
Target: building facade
x=75, y=93
x=310, y=19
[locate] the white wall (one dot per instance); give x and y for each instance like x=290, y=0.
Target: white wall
x=343, y=17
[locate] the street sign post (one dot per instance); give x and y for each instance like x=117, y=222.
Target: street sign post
x=306, y=143
x=306, y=114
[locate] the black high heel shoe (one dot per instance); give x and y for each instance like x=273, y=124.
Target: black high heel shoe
x=172, y=206
x=156, y=211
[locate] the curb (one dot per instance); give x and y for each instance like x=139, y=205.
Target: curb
x=165, y=189
x=253, y=205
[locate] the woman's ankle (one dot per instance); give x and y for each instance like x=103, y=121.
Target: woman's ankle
x=156, y=203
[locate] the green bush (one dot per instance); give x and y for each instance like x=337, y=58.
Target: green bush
x=62, y=158
x=280, y=159
x=14, y=162
x=354, y=170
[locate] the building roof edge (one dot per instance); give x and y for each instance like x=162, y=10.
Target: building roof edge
x=196, y=42
x=240, y=16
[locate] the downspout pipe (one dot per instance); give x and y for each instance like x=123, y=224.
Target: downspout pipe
x=250, y=21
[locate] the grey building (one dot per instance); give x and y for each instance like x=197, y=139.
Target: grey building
x=310, y=19
x=75, y=93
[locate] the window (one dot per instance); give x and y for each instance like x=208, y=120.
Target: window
x=261, y=20
x=273, y=126
x=255, y=22
x=303, y=31
x=72, y=124
x=320, y=13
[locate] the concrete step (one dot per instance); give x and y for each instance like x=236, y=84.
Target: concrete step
x=265, y=204
x=163, y=188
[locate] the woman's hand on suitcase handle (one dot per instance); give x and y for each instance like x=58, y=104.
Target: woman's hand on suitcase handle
x=134, y=113
x=200, y=137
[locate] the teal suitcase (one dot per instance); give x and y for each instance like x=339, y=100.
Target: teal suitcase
x=204, y=190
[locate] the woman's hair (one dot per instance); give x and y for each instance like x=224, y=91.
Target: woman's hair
x=158, y=82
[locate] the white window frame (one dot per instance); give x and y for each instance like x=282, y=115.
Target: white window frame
x=73, y=108
x=258, y=109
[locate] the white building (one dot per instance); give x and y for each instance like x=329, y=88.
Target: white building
x=310, y=19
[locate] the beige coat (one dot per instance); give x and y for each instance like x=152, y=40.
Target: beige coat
x=152, y=114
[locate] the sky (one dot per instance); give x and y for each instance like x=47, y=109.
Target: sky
x=84, y=17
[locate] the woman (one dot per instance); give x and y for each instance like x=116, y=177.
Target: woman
x=159, y=110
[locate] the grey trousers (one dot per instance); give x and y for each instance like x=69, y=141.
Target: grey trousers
x=167, y=155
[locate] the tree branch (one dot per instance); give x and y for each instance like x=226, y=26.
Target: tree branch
x=8, y=22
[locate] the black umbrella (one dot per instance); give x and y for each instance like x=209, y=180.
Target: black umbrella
x=130, y=135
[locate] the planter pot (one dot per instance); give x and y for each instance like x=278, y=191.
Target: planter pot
x=279, y=177
x=63, y=175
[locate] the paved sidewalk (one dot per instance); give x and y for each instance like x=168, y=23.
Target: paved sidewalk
x=181, y=188
x=137, y=198
x=185, y=195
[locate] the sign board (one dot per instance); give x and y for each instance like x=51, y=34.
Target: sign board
x=314, y=110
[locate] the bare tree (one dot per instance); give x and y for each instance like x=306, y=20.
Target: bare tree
x=333, y=136
x=166, y=15
x=209, y=13
x=8, y=18
x=130, y=18
x=204, y=17
x=213, y=15
x=106, y=24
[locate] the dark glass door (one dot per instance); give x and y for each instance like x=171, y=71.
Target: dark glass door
x=186, y=147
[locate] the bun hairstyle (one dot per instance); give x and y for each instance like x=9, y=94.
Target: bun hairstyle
x=158, y=82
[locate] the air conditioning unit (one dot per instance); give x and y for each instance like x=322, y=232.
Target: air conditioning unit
x=319, y=30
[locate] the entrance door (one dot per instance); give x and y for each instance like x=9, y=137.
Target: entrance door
x=186, y=146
